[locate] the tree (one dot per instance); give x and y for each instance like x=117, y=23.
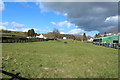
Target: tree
x=50, y=35
x=105, y=34
x=99, y=35
x=56, y=33
x=96, y=36
x=78, y=37
x=31, y=32
x=84, y=37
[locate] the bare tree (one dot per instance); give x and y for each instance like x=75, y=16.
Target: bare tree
x=56, y=33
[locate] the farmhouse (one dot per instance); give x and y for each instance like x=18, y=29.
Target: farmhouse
x=40, y=36
x=90, y=40
x=64, y=37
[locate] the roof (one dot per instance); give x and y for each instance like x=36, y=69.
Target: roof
x=107, y=37
x=40, y=36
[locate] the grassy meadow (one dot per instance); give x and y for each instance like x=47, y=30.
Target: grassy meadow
x=55, y=59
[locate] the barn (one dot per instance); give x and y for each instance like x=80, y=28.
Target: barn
x=108, y=41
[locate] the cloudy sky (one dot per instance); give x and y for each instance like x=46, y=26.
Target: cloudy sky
x=68, y=17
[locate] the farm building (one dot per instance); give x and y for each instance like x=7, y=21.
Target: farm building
x=40, y=36
x=108, y=39
x=90, y=40
x=64, y=37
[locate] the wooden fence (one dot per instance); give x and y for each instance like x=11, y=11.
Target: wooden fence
x=21, y=39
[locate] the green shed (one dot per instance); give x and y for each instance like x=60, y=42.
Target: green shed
x=108, y=39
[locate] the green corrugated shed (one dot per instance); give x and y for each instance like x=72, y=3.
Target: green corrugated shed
x=119, y=38
x=110, y=39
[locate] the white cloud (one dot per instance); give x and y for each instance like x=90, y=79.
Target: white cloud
x=2, y=6
x=76, y=26
x=21, y=0
x=53, y=23
x=25, y=29
x=17, y=24
x=4, y=23
x=61, y=29
x=77, y=31
x=88, y=16
x=22, y=29
x=65, y=14
x=62, y=33
x=112, y=19
x=62, y=24
x=109, y=34
x=61, y=0
x=2, y=27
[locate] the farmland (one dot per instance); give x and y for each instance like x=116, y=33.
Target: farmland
x=56, y=59
x=16, y=34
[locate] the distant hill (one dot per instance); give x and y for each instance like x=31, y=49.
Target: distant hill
x=12, y=33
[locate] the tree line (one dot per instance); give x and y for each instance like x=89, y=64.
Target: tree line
x=56, y=34
x=99, y=35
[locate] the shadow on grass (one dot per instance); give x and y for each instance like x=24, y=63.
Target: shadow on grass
x=58, y=40
x=14, y=76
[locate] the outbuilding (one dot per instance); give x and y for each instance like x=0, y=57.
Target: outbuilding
x=40, y=36
x=64, y=37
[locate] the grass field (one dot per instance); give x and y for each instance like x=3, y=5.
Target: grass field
x=55, y=59
x=16, y=34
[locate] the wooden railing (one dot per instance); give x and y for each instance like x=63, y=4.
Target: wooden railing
x=13, y=76
x=21, y=39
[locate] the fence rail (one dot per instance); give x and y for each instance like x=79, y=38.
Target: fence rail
x=109, y=45
x=21, y=40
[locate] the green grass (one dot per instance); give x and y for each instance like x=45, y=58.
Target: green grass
x=55, y=59
x=16, y=34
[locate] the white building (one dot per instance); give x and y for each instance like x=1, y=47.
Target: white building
x=29, y=37
x=40, y=36
x=64, y=37
x=90, y=40
x=45, y=37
